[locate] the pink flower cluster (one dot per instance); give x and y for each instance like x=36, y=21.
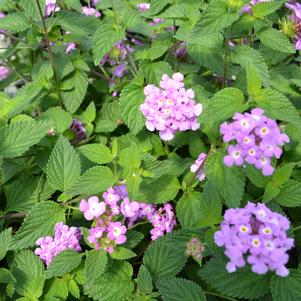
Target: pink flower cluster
x=91, y=11
x=107, y=230
x=64, y=238
x=248, y=8
x=198, y=167
x=4, y=72
x=143, y=7
x=257, y=140
x=257, y=235
x=170, y=108
x=51, y=6
x=296, y=19
x=195, y=249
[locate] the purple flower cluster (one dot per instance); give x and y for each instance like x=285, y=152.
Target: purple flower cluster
x=4, y=72
x=79, y=131
x=116, y=59
x=143, y=7
x=170, y=108
x=248, y=8
x=258, y=139
x=51, y=6
x=257, y=235
x=195, y=249
x=64, y=238
x=198, y=167
x=91, y=11
x=296, y=19
x=107, y=230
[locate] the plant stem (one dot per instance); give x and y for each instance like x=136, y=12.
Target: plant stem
x=226, y=58
x=297, y=228
x=219, y=295
x=49, y=50
x=13, y=215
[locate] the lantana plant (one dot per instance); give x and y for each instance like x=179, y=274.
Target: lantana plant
x=150, y=150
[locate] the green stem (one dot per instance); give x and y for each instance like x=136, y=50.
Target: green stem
x=49, y=50
x=297, y=228
x=226, y=57
x=219, y=295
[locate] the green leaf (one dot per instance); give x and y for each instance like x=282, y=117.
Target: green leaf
x=28, y=271
x=5, y=241
x=17, y=138
x=97, y=153
x=164, y=259
x=178, y=289
x=144, y=280
x=130, y=157
x=263, y=9
x=160, y=190
x=95, y=265
x=215, y=18
x=270, y=192
x=256, y=177
x=108, y=118
x=77, y=23
x=207, y=51
x=63, y=168
x=222, y=106
x=254, y=81
x=6, y=276
x=73, y=288
x=73, y=98
x=153, y=71
x=278, y=106
x=287, y=288
x=241, y=284
x=94, y=180
x=132, y=239
x=115, y=284
x=290, y=194
x=40, y=221
x=131, y=98
x=56, y=288
x=157, y=6
x=105, y=37
x=189, y=209
x=211, y=206
x=65, y=262
x=228, y=181
x=15, y=22
x=276, y=40
x=31, y=8
x=122, y=253
x=58, y=118
x=244, y=55
x=283, y=173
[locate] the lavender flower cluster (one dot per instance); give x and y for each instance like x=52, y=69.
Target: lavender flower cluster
x=296, y=19
x=197, y=167
x=257, y=235
x=64, y=238
x=170, y=108
x=107, y=230
x=257, y=140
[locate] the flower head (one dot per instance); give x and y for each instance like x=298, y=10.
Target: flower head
x=256, y=235
x=170, y=108
x=143, y=7
x=257, y=139
x=92, y=208
x=197, y=166
x=64, y=238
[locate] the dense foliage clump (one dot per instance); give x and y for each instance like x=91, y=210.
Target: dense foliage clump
x=150, y=150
